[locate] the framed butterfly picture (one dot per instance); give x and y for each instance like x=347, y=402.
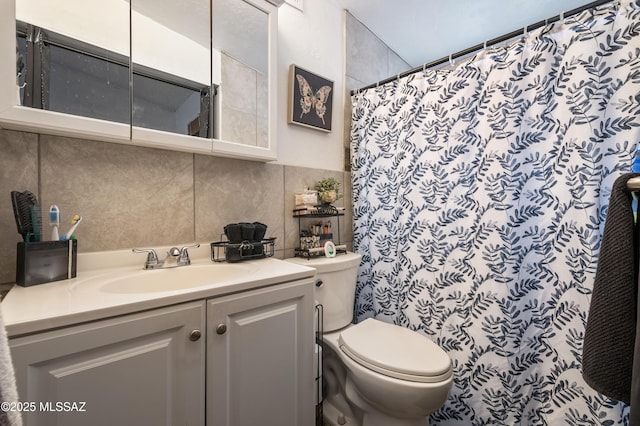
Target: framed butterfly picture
x=310, y=99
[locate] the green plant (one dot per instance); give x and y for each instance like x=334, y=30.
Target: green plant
x=328, y=184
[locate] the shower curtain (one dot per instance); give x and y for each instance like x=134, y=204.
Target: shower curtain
x=480, y=193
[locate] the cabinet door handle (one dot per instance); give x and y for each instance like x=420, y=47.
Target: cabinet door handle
x=195, y=335
x=221, y=328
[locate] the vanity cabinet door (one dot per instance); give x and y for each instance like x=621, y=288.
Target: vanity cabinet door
x=139, y=369
x=260, y=357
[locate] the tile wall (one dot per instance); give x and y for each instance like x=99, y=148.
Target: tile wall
x=132, y=196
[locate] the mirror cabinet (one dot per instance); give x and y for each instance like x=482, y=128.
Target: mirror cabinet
x=195, y=76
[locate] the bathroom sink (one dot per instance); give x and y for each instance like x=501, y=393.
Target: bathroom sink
x=172, y=279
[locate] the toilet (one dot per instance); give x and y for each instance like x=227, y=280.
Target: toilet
x=374, y=373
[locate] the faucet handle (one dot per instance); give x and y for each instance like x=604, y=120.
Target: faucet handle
x=152, y=257
x=184, y=254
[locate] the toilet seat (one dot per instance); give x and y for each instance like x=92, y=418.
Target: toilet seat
x=395, y=351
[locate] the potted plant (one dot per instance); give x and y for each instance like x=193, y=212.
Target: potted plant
x=328, y=190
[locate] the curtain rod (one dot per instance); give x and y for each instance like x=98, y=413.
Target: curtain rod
x=481, y=46
x=633, y=184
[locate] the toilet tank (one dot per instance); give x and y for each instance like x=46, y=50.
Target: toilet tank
x=335, y=287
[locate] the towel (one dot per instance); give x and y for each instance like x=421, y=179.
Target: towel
x=8, y=391
x=608, y=350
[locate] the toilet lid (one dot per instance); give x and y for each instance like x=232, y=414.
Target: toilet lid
x=395, y=351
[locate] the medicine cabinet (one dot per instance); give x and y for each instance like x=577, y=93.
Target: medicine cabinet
x=195, y=76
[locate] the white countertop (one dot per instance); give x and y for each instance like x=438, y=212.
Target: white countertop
x=37, y=308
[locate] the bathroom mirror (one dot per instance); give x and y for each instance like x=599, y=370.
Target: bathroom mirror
x=171, y=68
x=195, y=76
x=67, y=66
x=241, y=45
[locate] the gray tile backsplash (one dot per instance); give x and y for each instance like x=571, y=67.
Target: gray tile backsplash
x=128, y=196
x=131, y=196
x=19, y=171
x=229, y=191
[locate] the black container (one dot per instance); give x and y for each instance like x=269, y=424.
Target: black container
x=246, y=240
x=225, y=251
x=46, y=261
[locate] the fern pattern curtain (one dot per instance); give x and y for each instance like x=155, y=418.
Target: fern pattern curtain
x=480, y=194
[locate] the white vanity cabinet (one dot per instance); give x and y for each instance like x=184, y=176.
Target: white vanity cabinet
x=260, y=358
x=240, y=359
x=140, y=369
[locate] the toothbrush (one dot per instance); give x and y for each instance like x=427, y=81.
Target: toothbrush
x=54, y=221
x=74, y=224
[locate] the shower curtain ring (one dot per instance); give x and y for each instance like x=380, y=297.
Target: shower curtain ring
x=561, y=16
x=484, y=45
x=451, y=60
x=525, y=30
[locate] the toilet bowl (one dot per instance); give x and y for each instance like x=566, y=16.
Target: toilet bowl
x=375, y=373
x=394, y=376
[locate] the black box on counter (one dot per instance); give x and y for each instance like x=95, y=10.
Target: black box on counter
x=46, y=261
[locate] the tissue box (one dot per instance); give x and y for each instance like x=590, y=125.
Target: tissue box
x=306, y=198
x=46, y=261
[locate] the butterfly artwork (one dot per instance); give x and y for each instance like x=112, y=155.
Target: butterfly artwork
x=311, y=99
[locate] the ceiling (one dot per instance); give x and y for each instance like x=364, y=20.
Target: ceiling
x=421, y=31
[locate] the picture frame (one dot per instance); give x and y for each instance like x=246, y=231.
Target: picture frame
x=310, y=99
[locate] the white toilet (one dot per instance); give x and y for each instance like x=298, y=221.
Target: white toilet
x=375, y=373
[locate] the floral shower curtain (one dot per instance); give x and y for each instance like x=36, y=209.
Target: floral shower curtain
x=479, y=200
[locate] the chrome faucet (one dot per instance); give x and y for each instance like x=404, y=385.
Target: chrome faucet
x=175, y=257
x=152, y=258
x=183, y=259
x=172, y=257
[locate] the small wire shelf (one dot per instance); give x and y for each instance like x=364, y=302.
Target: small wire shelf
x=321, y=210
x=225, y=251
x=318, y=251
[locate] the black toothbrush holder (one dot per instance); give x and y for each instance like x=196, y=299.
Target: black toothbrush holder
x=46, y=261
